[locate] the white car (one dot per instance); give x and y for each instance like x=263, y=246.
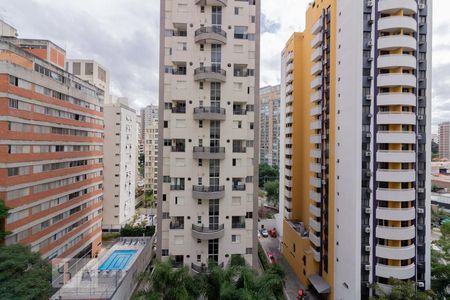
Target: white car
x=264, y=232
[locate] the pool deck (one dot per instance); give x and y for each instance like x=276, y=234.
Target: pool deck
x=92, y=283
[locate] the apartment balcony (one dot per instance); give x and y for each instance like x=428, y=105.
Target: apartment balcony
x=288, y=162
x=208, y=192
x=288, y=141
x=317, y=26
x=176, y=187
x=209, y=113
x=288, y=193
x=210, y=232
x=316, y=68
x=317, y=124
x=316, y=96
x=238, y=187
x=316, y=41
x=289, y=108
x=394, y=156
x=393, y=6
x=316, y=168
x=396, y=137
x=288, y=172
x=392, y=61
x=316, y=153
x=210, y=35
x=316, y=82
x=396, y=23
x=203, y=268
x=288, y=183
x=397, y=79
x=396, y=175
x=315, y=139
x=404, y=118
x=316, y=55
x=288, y=130
x=397, y=195
x=316, y=254
x=396, y=214
x=211, y=2
x=289, y=89
x=314, y=210
x=392, y=42
x=396, y=233
x=288, y=151
x=210, y=74
x=314, y=225
x=290, y=68
x=387, y=252
x=399, y=272
x=316, y=110
x=315, y=239
x=408, y=99
x=289, y=78
x=314, y=196
x=209, y=152
x=289, y=99
x=290, y=57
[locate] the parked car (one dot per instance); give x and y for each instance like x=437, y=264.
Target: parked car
x=271, y=257
x=264, y=232
x=273, y=232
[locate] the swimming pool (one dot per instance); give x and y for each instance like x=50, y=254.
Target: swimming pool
x=118, y=260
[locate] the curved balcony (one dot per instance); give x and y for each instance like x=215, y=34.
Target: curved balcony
x=396, y=233
x=387, y=252
x=396, y=175
x=396, y=214
x=397, y=60
x=210, y=74
x=391, y=42
x=317, y=26
x=317, y=124
x=314, y=196
x=316, y=55
x=316, y=68
x=209, y=152
x=314, y=210
x=211, y=2
x=393, y=6
x=203, y=268
x=316, y=96
x=289, y=79
x=208, y=192
x=314, y=239
x=316, y=41
x=209, y=113
x=396, y=99
x=316, y=254
x=396, y=137
x=210, y=232
x=290, y=68
x=404, y=118
x=397, y=79
x=316, y=168
x=314, y=225
x=396, y=195
x=396, y=156
x=316, y=82
x=399, y=272
x=395, y=23
x=315, y=182
x=210, y=35
x=315, y=139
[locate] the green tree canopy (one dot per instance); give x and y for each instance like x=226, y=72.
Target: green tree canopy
x=440, y=262
x=403, y=290
x=267, y=173
x=3, y=215
x=24, y=274
x=272, y=190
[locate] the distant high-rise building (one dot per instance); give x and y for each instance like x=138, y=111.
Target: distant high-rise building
x=208, y=131
x=149, y=114
x=444, y=140
x=151, y=157
x=120, y=164
x=355, y=176
x=269, y=125
x=51, y=150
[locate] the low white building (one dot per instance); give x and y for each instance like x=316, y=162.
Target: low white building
x=119, y=164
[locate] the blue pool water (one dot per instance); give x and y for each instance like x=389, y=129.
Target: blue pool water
x=118, y=260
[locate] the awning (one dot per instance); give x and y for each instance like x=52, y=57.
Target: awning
x=321, y=286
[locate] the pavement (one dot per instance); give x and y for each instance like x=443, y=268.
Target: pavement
x=292, y=284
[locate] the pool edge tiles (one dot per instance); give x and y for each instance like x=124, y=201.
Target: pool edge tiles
x=118, y=260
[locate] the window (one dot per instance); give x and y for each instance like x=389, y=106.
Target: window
x=240, y=32
x=165, y=252
x=88, y=69
x=238, y=11
x=235, y=238
x=248, y=250
x=76, y=68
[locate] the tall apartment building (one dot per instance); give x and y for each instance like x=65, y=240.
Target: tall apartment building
x=207, y=179
x=269, y=125
x=355, y=185
x=120, y=164
x=149, y=114
x=92, y=72
x=151, y=157
x=51, y=151
x=444, y=140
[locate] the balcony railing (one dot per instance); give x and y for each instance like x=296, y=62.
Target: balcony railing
x=179, y=109
x=209, y=113
x=208, y=189
x=177, y=187
x=211, y=232
x=240, y=111
x=212, y=73
x=238, y=187
x=176, y=225
x=239, y=149
x=178, y=148
x=203, y=268
x=239, y=225
x=209, y=152
x=212, y=34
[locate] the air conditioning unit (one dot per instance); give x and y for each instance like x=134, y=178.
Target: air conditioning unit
x=369, y=3
x=421, y=6
x=421, y=190
x=368, y=97
x=367, y=153
x=420, y=210
x=370, y=22
x=368, y=248
x=420, y=117
x=369, y=43
x=368, y=135
x=419, y=136
x=368, y=210
x=369, y=173
x=370, y=59
x=367, y=267
x=369, y=77
x=367, y=230
x=369, y=115
x=324, y=167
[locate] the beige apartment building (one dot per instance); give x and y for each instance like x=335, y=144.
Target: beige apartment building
x=151, y=157
x=207, y=179
x=269, y=143
x=444, y=140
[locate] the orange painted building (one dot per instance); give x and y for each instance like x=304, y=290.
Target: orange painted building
x=51, y=151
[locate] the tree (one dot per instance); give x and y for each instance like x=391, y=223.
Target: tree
x=440, y=262
x=24, y=274
x=403, y=290
x=3, y=215
x=141, y=164
x=267, y=173
x=272, y=190
x=149, y=199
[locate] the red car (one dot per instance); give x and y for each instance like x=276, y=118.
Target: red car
x=273, y=232
x=271, y=257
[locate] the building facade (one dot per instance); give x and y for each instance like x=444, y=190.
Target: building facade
x=444, y=140
x=92, y=72
x=151, y=158
x=120, y=165
x=149, y=114
x=51, y=151
x=208, y=131
x=355, y=181
x=269, y=127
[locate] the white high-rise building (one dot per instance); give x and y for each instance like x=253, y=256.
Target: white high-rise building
x=151, y=157
x=207, y=163
x=120, y=164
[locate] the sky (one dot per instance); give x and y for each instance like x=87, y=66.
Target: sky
x=123, y=36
